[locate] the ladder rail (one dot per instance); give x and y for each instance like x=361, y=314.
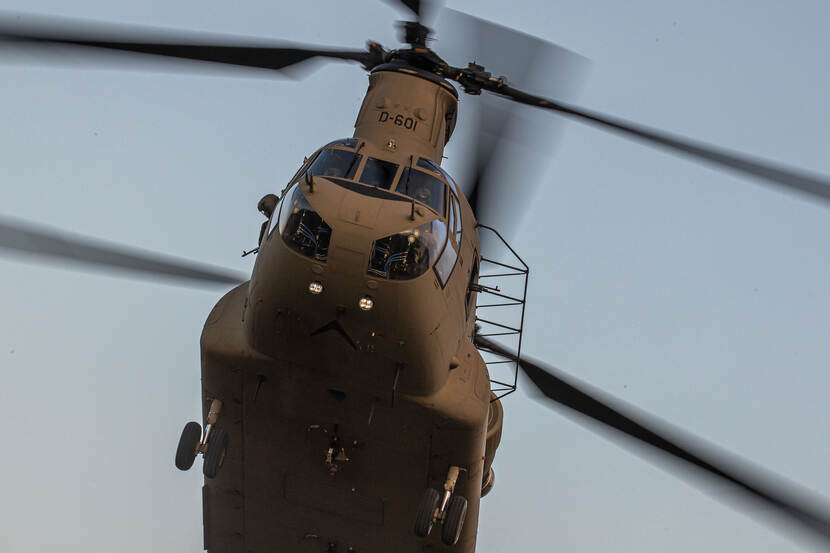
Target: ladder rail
x=501, y=388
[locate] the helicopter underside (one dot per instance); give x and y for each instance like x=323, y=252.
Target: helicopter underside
x=317, y=464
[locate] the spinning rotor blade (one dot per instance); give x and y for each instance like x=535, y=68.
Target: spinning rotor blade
x=228, y=51
x=412, y=5
x=424, y=10
x=531, y=63
x=57, y=247
x=812, y=186
x=566, y=391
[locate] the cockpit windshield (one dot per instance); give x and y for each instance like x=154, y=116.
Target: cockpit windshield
x=424, y=183
x=380, y=173
x=336, y=163
x=423, y=187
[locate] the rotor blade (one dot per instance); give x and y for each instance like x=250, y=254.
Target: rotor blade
x=18, y=29
x=412, y=5
x=813, y=186
x=771, y=491
x=424, y=10
x=56, y=246
x=507, y=136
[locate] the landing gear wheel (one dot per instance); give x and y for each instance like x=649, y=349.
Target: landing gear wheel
x=454, y=520
x=215, y=454
x=188, y=442
x=426, y=511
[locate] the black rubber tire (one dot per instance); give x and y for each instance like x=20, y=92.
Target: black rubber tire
x=426, y=509
x=215, y=454
x=186, y=452
x=454, y=520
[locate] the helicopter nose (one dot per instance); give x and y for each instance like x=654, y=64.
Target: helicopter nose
x=345, y=281
x=348, y=254
x=355, y=210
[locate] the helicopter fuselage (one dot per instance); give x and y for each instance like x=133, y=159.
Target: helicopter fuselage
x=348, y=379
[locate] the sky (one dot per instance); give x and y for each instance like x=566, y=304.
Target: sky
x=693, y=294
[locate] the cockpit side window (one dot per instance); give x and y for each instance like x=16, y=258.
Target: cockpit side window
x=452, y=216
x=423, y=187
x=307, y=162
x=378, y=172
x=447, y=261
x=336, y=163
x=457, y=208
x=432, y=166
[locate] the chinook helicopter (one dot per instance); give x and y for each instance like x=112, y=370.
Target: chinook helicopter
x=379, y=375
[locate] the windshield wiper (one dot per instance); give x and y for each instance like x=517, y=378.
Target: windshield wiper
x=354, y=158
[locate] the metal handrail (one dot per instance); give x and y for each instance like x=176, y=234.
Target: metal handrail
x=493, y=275
x=499, y=388
x=500, y=264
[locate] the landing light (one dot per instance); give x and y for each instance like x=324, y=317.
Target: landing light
x=366, y=303
x=315, y=287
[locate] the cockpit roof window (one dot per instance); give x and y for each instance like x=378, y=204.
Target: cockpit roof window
x=423, y=187
x=347, y=142
x=336, y=163
x=378, y=172
x=424, y=163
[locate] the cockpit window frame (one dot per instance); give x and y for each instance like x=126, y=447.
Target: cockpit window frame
x=347, y=143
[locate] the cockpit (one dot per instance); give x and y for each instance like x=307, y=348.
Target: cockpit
x=424, y=181
x=402, y=256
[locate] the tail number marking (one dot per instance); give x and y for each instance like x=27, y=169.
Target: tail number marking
x=399, y=120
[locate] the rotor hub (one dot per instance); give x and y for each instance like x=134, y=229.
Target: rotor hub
x=415, y=34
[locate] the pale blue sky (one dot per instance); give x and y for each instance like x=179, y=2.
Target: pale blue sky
x=696, y=295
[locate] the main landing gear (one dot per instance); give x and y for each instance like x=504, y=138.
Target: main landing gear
x=212, y=444
x=449, y=511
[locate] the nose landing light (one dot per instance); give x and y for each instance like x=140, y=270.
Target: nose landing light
x=366, y=303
